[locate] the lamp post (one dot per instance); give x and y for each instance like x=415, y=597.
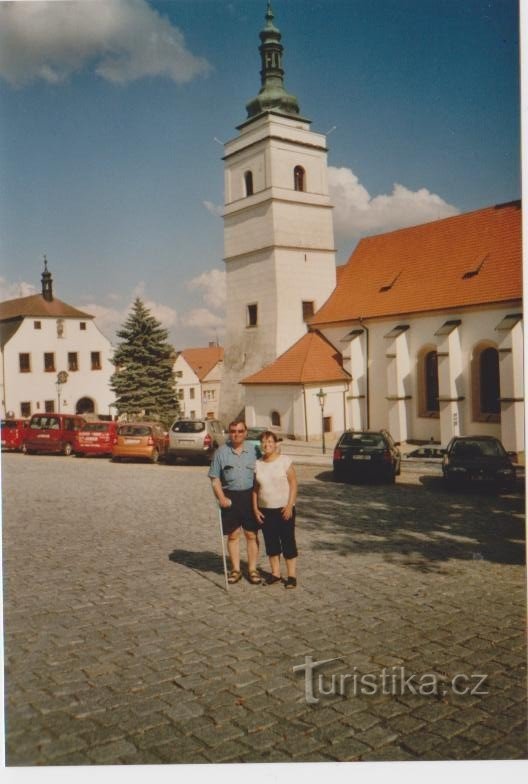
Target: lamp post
x=62, y=378
x=321, y=396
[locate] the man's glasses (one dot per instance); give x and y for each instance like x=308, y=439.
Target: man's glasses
x=237, y=431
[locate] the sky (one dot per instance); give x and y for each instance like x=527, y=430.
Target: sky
x=113, y=114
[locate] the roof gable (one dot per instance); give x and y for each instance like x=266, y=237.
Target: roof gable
x=203, y=360
x=466, y=260
x=312, y=359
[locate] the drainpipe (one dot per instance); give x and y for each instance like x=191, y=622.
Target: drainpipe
x=305, y=415
x=367, y=372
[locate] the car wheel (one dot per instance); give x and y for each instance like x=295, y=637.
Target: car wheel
x=30, y=451
x=154, y=456
x=339, y=475
x=67, y=449
x=115, y=459
x=79, y=454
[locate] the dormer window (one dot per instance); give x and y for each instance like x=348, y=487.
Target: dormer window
x=299, y=177
x=248, y=181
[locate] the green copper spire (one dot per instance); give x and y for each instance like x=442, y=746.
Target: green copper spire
x=272, y=95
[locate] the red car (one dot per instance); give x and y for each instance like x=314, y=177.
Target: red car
x=95, y=438
x=13, y=434
x=52, y=433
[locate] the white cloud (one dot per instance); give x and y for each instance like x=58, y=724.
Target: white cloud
x=215, y=209
x=212, y=285
x=210, y=324
x=121, y=40
x=357, y=213
x=15, y=290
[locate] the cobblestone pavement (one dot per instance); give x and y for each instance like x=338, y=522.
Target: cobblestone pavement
x=123, y=646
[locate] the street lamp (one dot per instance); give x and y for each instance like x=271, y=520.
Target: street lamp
x=62, y=378
x=321, y=396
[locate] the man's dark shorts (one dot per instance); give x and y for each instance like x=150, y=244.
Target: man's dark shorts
x=240, y=513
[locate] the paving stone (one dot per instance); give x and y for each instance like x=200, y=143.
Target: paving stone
x=110, y=752
x=348, y=750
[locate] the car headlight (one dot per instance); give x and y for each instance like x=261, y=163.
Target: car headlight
x=505, y=471
x=459, y=469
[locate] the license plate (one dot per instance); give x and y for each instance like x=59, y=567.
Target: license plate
x=360, y=457
x=43, y=435
x=89, y=439
x=185, y=441
x=132, y=441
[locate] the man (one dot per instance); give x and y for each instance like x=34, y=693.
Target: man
x=232, y=471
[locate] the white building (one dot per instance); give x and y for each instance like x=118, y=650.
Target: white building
x=40, y=337
x=422, y=333
x=198, y=373
x=278, y=231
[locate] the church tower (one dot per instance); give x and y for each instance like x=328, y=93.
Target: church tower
x=278, y=231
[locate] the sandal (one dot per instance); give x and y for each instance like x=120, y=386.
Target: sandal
x=273, y=580
x=254, y=578
x=234, y=576
x=291, y=582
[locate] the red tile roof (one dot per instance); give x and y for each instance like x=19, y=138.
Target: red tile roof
x=311, y=360
x=466, y=260
x=203, y=360
x=36, y=305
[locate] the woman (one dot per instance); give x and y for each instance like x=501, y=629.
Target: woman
x=274, y=495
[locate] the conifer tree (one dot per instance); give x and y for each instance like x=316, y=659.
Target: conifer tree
x=143, y=381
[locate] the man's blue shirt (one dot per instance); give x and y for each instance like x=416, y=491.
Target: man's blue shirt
x=235, y=471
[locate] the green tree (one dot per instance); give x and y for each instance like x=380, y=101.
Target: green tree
x=143, y=381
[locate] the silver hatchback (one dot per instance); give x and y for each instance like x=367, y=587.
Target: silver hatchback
x=195, y=439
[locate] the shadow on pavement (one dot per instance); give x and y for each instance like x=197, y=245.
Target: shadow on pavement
x=203, y=561
x=420, y=526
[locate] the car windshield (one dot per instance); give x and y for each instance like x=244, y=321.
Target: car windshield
x=134, y=430
x=10, y=424
x=372, y=440
x=254, y=433
x=474, y=449
x=188, y=427
x=95, y=427
x=44, y=423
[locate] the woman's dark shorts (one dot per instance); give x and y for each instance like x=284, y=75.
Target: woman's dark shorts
x=240, y=513
x=279, y=534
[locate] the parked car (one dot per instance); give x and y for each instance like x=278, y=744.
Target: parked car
x=52, y=433
x=426, y=453
x=138, y=440
x=195, y=439
x=478, y=460
x=369, y=454
x=95, y=438
x=253, y=438
x=13, y=434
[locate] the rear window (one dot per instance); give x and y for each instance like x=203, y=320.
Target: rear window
x=372, y=440
x=134, y=430
x=96, y=427
x=254, y=433
x=9, y=424
x=188, y=427
x=475, y=449
x=45, y=423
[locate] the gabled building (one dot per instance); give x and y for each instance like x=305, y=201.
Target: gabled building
x=198, y=373
x=42, y=337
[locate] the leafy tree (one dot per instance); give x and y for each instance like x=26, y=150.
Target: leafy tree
x=143, y=381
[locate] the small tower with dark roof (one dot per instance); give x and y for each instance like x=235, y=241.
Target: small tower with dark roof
x=47, y=283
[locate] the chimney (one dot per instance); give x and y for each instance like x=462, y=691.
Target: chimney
x=47, y=283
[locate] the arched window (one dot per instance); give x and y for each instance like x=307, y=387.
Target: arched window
x=299, y=178
x=248, y=181
x=485, y=377
x=428, y=389
x=275, y=419
x=85, y=406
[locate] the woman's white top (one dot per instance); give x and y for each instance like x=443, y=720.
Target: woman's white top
x=273, y=485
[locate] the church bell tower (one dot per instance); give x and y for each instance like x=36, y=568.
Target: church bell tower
x=278, y=231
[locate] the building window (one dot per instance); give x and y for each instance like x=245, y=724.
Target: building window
x=485, y=383
x=191, y=393
x=327, y=424
x=299, y=176
x=73, y=363
x=180, y=394
x=49, y=406
x=49, y=362
x=24, y=363
x=82, y=325
x=96, y=360
x=209, y=394
x=428, y=389
x=25, y=409
x=275, y=419
x=307, y=310
x=248, y=182
x=252, y=315
x=37, y=325
x=178, y=373
x=193, y=414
